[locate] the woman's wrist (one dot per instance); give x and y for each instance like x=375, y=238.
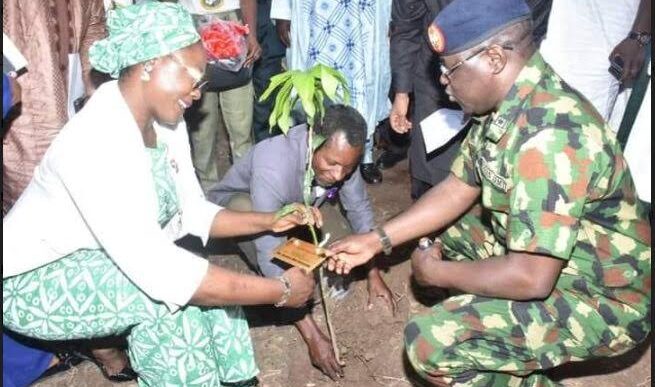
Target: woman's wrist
x=274, y=290
x=285, y=285
x=269, y=219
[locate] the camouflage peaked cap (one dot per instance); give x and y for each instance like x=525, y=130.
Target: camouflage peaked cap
x=141, y=32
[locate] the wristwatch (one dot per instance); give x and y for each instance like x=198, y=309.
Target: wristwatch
x=384, y=240
x=424, y=243
x=642, y=38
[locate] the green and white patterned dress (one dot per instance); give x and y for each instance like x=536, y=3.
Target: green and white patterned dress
x=85, y=295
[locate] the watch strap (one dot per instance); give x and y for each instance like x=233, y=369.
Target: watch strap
x=286, y=293
x=384, y=240
x=642, y=38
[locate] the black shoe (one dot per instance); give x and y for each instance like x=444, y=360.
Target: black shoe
x=125, y=375
x=371, y=173
x=67, y=360
x=389, y=159
x=253, y=382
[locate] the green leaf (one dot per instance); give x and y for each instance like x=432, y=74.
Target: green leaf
x=282, y=102
x=337, y=74
x=272, y=119
x=276, y=81
x=317, y=140
x=316, y=70
x=343, y=83
x=304, y=84
x=329, y=83
x=284, y=121
x=318, y=98
x=286, y=210
x=307, y=185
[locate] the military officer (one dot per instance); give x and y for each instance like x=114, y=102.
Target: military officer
x=544, y=234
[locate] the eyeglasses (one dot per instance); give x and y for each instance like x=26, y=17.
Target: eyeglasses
x=199, y=79
x=448, y=72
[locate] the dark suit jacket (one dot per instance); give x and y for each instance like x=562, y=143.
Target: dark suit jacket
x=415, y=70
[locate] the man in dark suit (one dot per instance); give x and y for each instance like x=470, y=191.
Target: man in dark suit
x=415, y=74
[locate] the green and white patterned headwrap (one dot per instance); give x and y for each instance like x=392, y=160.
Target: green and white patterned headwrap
x=141, y=32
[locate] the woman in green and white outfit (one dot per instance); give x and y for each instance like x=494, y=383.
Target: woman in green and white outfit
x=89, y=247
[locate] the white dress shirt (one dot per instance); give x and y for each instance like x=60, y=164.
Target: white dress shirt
x=94, y=189
x=281, y=9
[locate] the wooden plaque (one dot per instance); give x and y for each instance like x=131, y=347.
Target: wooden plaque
x=300, y=254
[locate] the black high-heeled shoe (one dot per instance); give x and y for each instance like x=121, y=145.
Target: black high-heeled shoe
x=371, y=173
x=252, y=382
x=125, y=375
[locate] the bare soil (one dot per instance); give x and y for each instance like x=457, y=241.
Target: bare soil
x=370, y=341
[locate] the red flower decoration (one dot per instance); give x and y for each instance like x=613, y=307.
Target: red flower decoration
x=223, y=39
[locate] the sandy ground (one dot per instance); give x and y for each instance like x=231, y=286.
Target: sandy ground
x=371, y=341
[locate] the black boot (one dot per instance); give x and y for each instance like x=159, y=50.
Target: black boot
x=388, y=159
x=371, y=173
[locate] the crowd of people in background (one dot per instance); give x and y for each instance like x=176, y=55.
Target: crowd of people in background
x=541, y=206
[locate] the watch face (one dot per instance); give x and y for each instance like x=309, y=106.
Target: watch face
x=643, y=38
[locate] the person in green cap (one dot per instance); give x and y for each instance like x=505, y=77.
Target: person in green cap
x=89, y=247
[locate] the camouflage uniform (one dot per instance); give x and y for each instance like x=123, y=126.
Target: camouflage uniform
x=553, y=182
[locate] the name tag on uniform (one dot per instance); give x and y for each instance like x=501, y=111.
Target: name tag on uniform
x=495, y=179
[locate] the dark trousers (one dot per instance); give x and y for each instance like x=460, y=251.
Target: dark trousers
x=393, y=142
x=267, y=66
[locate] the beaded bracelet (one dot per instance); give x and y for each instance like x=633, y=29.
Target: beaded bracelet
x=286, y=293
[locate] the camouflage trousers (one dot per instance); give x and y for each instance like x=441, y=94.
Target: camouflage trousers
x=470, y=340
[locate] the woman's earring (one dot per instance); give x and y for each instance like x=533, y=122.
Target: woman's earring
x=145, y=76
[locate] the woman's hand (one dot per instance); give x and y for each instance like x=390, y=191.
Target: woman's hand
x=302, y=287
x=296, y=214
x=352, y=251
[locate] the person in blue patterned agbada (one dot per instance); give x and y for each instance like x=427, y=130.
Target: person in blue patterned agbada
x=351, y=37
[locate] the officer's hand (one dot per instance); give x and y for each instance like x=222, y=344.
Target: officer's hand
x=424, y=264
x=302, y=287
x=398, y=116
x=351, y=251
